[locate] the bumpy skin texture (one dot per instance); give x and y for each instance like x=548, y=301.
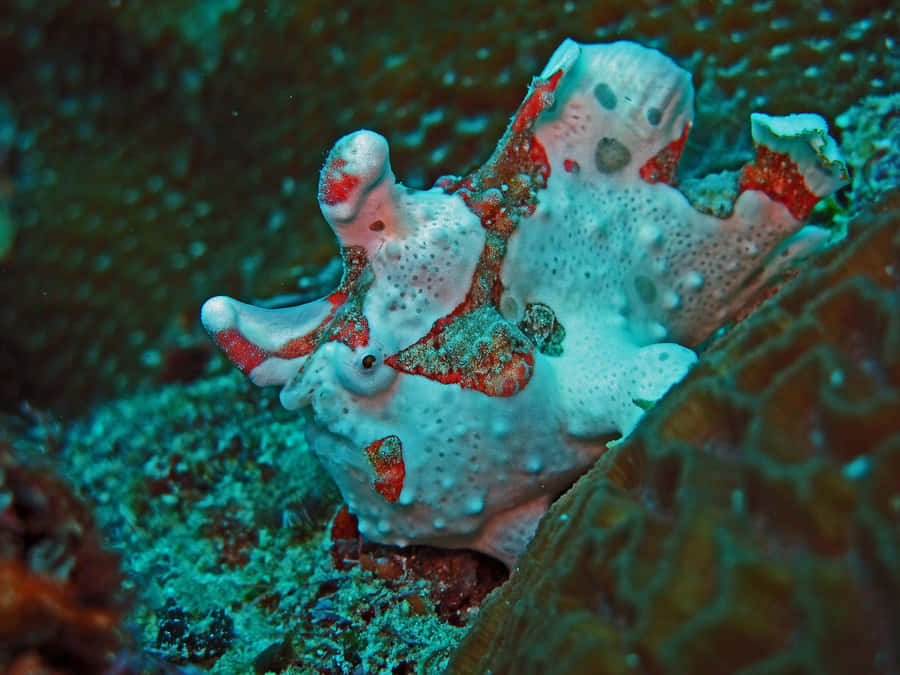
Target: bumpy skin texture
x=750, y=523
x=492, y=333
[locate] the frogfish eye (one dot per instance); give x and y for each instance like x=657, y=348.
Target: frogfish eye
x=362, y=371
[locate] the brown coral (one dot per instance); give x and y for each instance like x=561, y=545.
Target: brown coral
x=158, y=168
x=60, y=599
x=752, y=521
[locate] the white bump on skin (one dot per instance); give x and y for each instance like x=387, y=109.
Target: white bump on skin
x=692, y=281
x=670, y=299
x=534, y=464
x=474, y=505
x=649, y=235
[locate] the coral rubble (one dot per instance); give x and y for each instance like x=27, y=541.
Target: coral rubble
x=222, y=529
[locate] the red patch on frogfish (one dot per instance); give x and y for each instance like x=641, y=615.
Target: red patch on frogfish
x=353, y=331
x=505, y=188
x=386, y=457
x=662, y=166
x=776, y=174
x=477, y=350
x=299, y=346
x=474, y=346
x=336, y=183
x=538, y=157
x=571, y=166
x=539, y=99
x=240, y=351
x=345, y=539
x=304, y=344
x=247, y=356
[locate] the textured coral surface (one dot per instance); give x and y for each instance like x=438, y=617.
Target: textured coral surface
x=752, y=521
x=171, y=147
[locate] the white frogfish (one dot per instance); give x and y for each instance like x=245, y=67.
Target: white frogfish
x=492, y=334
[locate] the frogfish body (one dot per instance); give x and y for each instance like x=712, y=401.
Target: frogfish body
x=492, y=334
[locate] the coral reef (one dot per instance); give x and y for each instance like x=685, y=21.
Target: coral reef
x=143, y=166
x=159, y=167
x=751, y=521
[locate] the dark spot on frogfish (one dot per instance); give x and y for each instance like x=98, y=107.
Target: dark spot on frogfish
x=611, y=155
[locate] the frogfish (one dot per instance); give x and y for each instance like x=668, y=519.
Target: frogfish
x=492, y=334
